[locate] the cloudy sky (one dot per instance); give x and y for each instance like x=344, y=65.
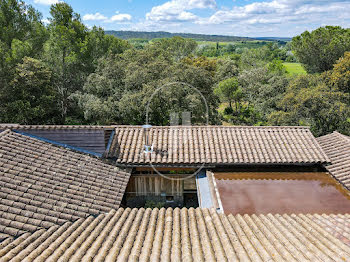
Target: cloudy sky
x=283, y=18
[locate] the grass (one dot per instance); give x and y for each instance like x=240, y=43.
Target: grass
x=295, y=68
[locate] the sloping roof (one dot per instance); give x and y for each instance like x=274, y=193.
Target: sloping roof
x=91, y=138
x=42, y=185
x=337, y=147
x=187, y=235
x=52, y=127
x=197, y=145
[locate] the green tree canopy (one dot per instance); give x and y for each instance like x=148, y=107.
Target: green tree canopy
x=30, y=98
x=321, y=48
x=127, y=81
x=309, y=101
x=21, y=34
x=177, y=46
x=229, y=91
x=340, y=75
x=72, y=52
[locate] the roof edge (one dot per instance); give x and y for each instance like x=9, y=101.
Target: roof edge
x=215, y=126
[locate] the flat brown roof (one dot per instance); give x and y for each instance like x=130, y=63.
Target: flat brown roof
x=281, y=192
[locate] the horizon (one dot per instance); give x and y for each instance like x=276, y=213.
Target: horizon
x=140, y=31
x=246, y=18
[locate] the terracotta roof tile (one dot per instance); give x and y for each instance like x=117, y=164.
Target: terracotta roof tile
x=337, y=147
x=187, y=235
x=198, y=145
x=42, y=185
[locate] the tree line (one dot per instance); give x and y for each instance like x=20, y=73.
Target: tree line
x=160, y=34
x=65, y=73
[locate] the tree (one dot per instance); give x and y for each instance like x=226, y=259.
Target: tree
x=339, y=77
x=177, y=46
x=21, y=34
x=321, y=48
x=30, y=99
x=121, y=87
x=225, y=68
x=64, y=55
x=97, y=44
x=201, y=62
x=72, y=52
x=229, y=91
x=277, y=66
x=21, y=21
x=309, y=101
x=263, y=89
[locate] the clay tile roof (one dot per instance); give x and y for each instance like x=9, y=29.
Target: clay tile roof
x=217, y=145
x=42, y=185
x=337, y=147
x=187, y=235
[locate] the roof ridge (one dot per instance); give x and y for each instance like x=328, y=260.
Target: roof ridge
x=18, y=126
x=341, y=135
x=216, y=126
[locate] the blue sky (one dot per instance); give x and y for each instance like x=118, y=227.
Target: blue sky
x=228, y=17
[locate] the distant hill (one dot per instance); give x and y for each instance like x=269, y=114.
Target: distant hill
x=285, y=39
x=160, y=34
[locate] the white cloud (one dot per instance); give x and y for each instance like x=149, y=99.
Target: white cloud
x=284, y=17
x=94, y=17
x=45, y=21
x=177, y=10
x=258, y=18
x=46, y=2
x=120, y=18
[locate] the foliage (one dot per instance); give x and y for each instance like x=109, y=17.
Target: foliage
x=263, y=89
x=72, y=52
x=21, y=34
x=277, y=66
x=339, y=77
x=238, y=112
x=152, y=35
x=201, y=62
x=127, y=82
x=22, y=22
x=177, y=46
x=30, y=98
x=309, y=101
x=226, y=68
x=154, y=204
x=229, y=91
x=63, y=53
x=67, y=73
x=321, y=48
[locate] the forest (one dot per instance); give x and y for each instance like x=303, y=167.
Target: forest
x=66, y=73
x=160, y=34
